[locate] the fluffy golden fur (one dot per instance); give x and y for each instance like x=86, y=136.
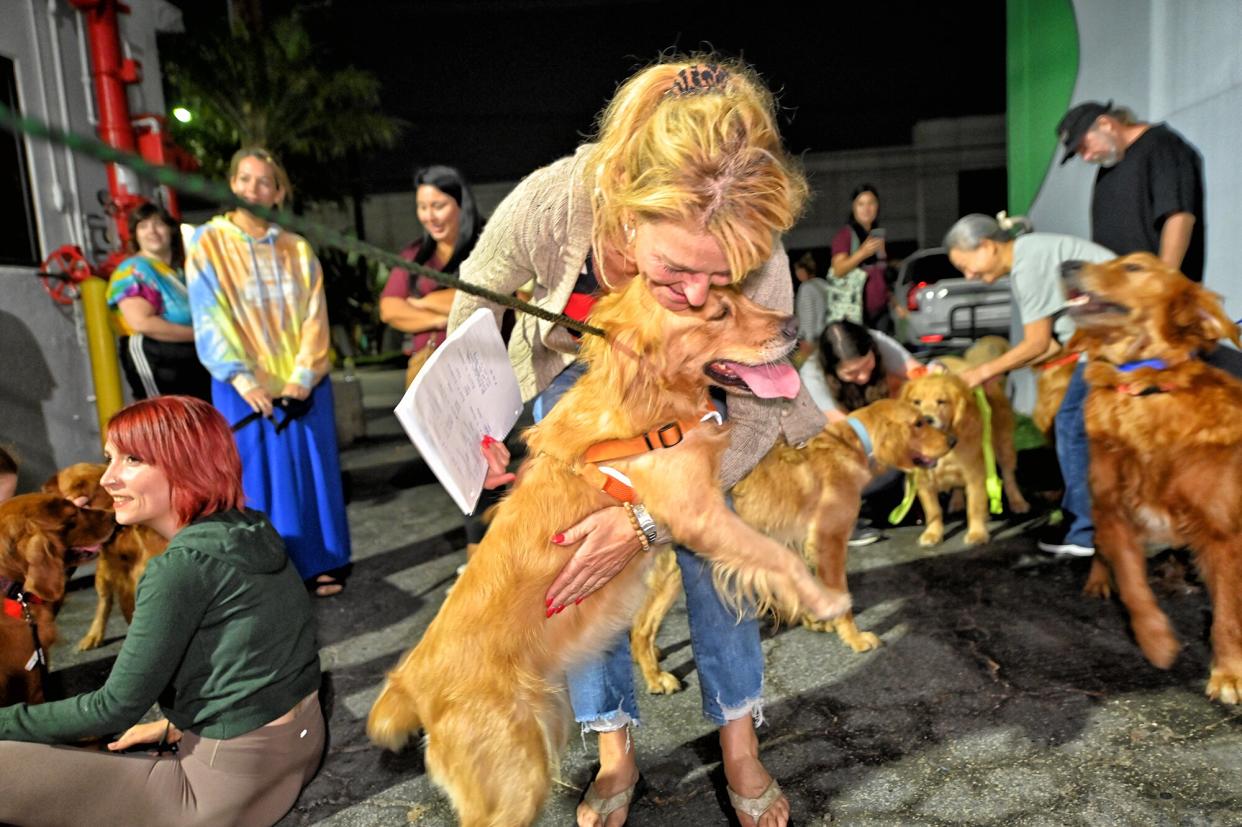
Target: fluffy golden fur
x=952, y=405
x=486, y=682
x=122, y=559
x=1166, y=448
x=809, y=498
x=36, y=532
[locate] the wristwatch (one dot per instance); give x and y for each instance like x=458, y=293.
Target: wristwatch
x=645, y=523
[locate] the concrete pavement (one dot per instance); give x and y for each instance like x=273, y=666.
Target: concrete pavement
x=1000, y=696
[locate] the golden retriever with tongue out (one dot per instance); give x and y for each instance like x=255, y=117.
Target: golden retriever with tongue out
x=486, y=682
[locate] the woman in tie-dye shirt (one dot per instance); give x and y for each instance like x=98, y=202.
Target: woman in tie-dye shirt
x=151, y=310
x=261, y=329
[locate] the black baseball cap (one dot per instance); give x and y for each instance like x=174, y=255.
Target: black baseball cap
x=1075, y=124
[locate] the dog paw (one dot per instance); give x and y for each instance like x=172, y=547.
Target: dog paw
x=814, y=625
x=1018, y=505
x=90, y=641
x=664, y=683
x=1156, y=639
x=976, y=536
x=1225, y=686
x=931, y=537
x=860, y=641
x=1098, y=584
x=830, y=604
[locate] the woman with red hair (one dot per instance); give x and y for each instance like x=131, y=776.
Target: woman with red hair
x=223, y=639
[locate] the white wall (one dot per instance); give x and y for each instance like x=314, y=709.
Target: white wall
x=47, y=409
x=1176, y=61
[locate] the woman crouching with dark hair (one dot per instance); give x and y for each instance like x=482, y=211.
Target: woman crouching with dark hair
x=222, y=637
x=854, y=367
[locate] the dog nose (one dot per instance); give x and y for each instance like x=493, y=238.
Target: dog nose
x=1070, y=268
x=789, y=327
x=952, y=442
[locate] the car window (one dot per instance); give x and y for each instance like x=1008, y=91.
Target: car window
x=931, y=269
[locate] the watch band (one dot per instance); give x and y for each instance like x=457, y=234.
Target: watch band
x=645, y=523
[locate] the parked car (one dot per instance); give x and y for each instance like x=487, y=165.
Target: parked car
x=941, y=310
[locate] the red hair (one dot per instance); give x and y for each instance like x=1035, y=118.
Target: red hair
x=190, y=442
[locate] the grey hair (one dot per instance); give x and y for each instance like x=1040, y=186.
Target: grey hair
x=969, y=231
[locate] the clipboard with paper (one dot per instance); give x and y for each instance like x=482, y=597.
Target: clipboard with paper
x=466, y=389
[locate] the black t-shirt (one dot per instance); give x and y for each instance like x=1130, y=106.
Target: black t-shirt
x=1161, y=174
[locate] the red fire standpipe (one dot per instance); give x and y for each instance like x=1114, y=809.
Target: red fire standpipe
x=112, y=73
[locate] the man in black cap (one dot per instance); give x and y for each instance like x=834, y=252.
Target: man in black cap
x=1148, y=193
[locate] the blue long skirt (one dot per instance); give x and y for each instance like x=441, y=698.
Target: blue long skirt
x=294, y=477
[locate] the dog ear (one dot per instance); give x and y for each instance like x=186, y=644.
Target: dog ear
x=52, y=485
x=1204, y=314
x=45, y=565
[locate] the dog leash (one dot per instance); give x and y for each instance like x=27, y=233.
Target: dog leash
x=38, y=657
x=992, y=481
x=293, y=408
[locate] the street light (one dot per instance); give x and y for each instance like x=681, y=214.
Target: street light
x=182, y=114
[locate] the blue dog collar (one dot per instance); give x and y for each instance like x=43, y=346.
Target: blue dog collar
x=863, y=436
x=1158, y=364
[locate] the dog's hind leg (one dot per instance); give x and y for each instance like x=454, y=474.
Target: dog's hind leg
x=1099, y=581
x=663, y=587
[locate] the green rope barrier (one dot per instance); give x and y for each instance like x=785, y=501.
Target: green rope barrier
x=221, y=194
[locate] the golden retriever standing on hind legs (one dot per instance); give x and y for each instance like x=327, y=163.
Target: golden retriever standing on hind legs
x=486, y=682
x=1165, y=446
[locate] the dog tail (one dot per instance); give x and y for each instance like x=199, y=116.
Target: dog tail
x=394, y=716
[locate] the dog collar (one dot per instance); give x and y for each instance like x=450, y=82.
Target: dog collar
x=863, y=437
x=1156, y=364
x=1061, y=360
x=616, y=484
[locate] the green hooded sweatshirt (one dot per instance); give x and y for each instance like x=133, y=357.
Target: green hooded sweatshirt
x=223, y=637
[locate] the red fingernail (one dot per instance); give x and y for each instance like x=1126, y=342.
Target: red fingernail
x=579, y=600
x=558, y=538
x=560, y=609
x=488, y=439
x=551, y=611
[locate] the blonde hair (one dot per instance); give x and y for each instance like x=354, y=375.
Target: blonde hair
x=282, y=177
x=694, y=139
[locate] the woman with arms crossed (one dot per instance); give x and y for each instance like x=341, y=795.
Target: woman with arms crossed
x=689, y=187
x=147, y=292
x=222, y=637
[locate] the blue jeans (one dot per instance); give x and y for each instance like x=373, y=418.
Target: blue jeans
x=726, y=650
x=1071, y=431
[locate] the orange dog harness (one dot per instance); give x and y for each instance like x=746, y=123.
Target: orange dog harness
x=616, y=484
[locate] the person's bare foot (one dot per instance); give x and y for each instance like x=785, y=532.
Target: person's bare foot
x=618, y=772
x=745, y=773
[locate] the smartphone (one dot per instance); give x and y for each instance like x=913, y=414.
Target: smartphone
x=878, y=232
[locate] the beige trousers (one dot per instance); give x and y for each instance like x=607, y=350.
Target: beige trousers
x=250, y=781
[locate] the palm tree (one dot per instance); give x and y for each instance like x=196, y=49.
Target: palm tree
x=267, y=86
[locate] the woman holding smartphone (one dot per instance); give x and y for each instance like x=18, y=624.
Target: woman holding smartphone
x=860, y=264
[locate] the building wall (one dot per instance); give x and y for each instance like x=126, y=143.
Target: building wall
x=918, y=184
x=1169, y=61
x=47, y=411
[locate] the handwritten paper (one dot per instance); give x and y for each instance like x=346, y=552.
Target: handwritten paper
x=465, y=390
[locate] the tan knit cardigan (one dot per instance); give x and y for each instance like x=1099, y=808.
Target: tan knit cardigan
x=542, y=231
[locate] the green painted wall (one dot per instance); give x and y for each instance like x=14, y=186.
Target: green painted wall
x=1041, y=67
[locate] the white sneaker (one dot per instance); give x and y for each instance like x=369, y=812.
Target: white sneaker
x=1053, y=542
